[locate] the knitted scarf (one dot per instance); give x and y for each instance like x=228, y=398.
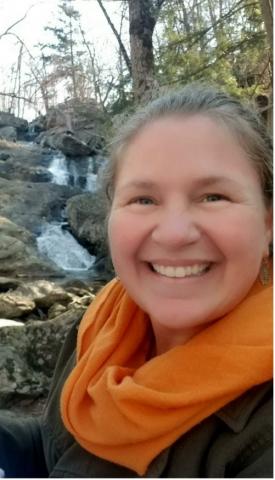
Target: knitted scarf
x=125, y=407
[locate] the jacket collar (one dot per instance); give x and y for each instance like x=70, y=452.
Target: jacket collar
x=236, y=413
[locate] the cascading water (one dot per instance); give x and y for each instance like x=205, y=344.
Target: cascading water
x=59, y=170
x=62, y=248
x=76, y=173
x=55, y=242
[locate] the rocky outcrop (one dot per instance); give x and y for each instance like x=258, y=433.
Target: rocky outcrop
x=76, y=128
x=8, y=133
x=66, y=142
x=19, y=126
x=18, y=253
x=30, y=204
x=87, y=217
x=29, y=348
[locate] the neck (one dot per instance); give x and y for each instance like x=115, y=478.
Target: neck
x=165, y=339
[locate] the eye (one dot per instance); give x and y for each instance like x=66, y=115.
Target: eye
x=142, y=201
x=214, y=197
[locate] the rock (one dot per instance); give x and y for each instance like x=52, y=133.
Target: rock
x=30, y=204
x=4, y=156
x=44, y=293
x=19, y=254
x=55, y=310
x=43, y=299
x=87, y=219
x=8, y=283
x=86, y=215
x=12, y=170
x=10, y=120
x=13, y=305
x=6, y=322
x=71, y=146
x=28, y=356
x=8, y=133
x=7, y=227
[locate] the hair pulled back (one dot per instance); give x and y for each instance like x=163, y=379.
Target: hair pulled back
x=242, y=120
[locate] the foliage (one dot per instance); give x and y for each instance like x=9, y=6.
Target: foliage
x=223, y=42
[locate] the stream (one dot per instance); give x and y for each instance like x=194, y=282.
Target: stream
x=55, y=241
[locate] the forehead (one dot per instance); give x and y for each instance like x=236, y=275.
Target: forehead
x=184, y=138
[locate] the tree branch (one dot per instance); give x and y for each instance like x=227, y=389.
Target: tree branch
x=16, y=23
x=13, y=95
x=121, y=46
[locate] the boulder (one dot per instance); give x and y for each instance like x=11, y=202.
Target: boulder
x=4, y=156
x=19, y=255
x=28, y=356
x=29, y=349
x=30, y=204
x=86, y=215
x=10, y=120
x=71, y=146
x=13, y=170
x=8, y=133
x=41, y=299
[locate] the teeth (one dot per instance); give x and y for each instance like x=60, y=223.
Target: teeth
x=181, y=272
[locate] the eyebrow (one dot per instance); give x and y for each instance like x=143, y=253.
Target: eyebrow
x=200, y=182
x=146, y=184
x=213, y=180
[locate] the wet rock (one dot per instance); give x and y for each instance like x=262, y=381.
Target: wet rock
x=19, y=254
x=29, y=204
x=86, y=215
x=8, y=133
x=4, y=156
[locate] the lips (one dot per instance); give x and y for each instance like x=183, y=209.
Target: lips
x=172, y=271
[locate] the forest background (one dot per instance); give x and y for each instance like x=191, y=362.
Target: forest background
x=159, y=44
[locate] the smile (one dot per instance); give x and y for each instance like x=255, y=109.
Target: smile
x=181, y=272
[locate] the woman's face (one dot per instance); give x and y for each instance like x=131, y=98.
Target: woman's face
x=188, y=227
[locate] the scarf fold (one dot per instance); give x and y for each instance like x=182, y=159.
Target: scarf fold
x=126, y=409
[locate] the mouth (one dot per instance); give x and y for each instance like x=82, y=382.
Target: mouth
x=181, y=272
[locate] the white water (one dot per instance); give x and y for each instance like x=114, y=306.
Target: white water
x=62, y=248
x=59, y=170
x=77, y=173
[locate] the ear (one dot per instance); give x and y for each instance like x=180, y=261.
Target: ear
x=269, y=229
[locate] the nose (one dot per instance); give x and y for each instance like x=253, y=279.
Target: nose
x=175, y=229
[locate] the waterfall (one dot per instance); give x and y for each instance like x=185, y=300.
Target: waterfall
x=76, y=173
x=59, y=170
x=63, y=249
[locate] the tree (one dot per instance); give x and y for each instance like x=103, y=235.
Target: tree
x=143, y=15
x=63, y=55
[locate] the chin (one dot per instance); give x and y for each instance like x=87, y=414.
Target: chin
x=177, y=320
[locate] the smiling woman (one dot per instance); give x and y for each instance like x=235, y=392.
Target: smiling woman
x=173, y=368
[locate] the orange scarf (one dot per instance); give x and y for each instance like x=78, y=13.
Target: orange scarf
x=124, y=408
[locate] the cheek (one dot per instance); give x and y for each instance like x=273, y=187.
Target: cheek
x=243, y=235
x=123, y=237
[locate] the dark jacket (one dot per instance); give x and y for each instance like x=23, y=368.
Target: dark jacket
x=234, y=442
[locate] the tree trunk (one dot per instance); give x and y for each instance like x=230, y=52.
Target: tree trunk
x=267, y=12
x=141, y=27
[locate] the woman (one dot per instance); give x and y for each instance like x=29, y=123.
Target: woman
x=174, y=356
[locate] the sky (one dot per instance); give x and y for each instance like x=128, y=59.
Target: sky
x=39, y=14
